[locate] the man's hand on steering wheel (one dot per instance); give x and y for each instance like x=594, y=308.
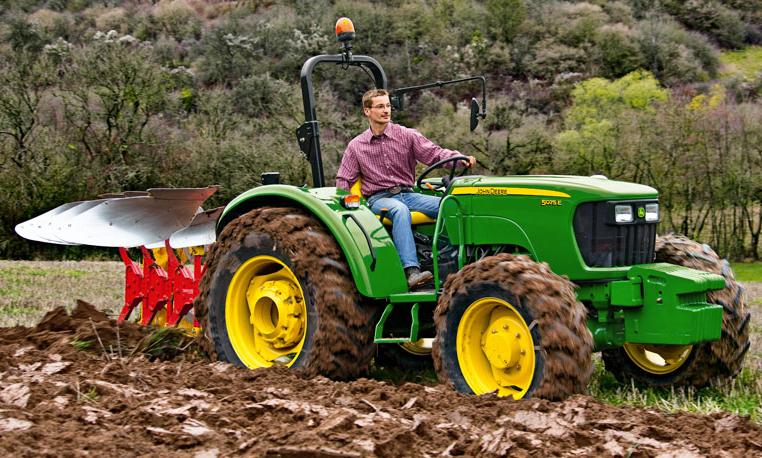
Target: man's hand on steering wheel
x=458, y=161
x=471, y=162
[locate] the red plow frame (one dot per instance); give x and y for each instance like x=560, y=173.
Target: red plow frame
x=157, y=286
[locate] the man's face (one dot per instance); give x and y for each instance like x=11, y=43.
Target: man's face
x=380, y=111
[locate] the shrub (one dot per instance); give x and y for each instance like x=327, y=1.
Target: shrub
x=168, y=52
x=552, y=58
x=45, y=19
x=23, y=36
x=505, y=17
x=710, y=17
x=620, y=12
x=112, y=19
x=227, y=54
x=578, y=22
x=616, y=51
x=177, y=19
x=673, y=54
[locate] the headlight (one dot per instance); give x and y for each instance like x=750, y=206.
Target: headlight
x=623, y=213
x=652, y=212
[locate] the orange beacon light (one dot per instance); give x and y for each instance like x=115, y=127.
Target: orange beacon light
x=345, y=30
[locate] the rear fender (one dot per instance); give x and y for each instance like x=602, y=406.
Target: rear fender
x=358, y=232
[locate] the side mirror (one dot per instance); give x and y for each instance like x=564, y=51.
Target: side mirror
x=474, y=113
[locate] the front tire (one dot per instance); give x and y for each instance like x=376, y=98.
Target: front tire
x=277, y=291
x=509, y=325
x=692, y=365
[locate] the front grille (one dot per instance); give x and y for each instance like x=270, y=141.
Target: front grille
x=604, y=243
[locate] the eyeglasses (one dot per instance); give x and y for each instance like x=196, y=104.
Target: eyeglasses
x=381, y=107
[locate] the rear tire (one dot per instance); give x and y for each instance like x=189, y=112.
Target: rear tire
x=709, y=361
x=277, y=291
x=510, y=325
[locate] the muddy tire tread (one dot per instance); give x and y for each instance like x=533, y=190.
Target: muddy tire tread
x=565, y=339
x=343, y=342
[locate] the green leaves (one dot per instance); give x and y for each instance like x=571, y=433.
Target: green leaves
x=593, y=122
x=598, y=98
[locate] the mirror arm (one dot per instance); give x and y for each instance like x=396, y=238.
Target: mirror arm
x=398, y=93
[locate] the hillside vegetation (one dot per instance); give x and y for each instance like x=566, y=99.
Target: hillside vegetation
x=106, y=96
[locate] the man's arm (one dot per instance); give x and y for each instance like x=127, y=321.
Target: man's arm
x=349, y=170
x=429, y=152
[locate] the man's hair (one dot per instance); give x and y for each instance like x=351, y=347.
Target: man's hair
x=367, y=98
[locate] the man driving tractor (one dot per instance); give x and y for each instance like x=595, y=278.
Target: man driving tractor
x=384, y=158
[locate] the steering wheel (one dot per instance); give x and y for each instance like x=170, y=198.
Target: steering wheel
x=422, y=183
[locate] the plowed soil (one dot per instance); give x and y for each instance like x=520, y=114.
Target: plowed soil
x=77, y=385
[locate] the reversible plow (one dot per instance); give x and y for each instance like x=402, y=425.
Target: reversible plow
x=166, y=226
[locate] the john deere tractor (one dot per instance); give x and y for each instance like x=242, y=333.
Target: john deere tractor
x=531, y=275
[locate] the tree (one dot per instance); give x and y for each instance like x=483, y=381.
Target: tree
x=111, y=91
x=23, y=78
x=589, y=144
x=505, y=17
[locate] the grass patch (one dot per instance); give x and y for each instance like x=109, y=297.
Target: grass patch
x=25, y=271
x=746, y=62
x=166, y=343
x=17, y=309
x=747, y=271
x=82, y=345
x=742, y=396
x=28, y=289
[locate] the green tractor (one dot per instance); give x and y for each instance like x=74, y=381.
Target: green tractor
x=531, y=275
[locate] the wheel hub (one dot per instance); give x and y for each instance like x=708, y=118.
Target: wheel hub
x=495, y=349
x=275, y=312
x=500, y=346
x=265, y=313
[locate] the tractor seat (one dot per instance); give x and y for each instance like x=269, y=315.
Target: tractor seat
x=417, y=217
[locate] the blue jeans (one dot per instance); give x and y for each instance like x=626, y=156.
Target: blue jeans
x=399, y=207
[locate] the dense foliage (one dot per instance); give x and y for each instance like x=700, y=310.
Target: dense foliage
x=114, y=95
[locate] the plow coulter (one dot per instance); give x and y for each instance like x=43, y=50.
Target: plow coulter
x=166, y=226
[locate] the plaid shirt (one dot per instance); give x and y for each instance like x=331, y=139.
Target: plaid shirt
x=387, y=160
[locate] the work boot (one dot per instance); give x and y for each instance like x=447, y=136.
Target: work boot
x=415, y=277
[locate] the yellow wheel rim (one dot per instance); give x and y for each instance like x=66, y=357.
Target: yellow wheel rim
x=420, y=347
x=495, y=349
x=265, y=313
x=658, y=359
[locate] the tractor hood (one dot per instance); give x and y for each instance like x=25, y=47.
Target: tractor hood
x=563, y=186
